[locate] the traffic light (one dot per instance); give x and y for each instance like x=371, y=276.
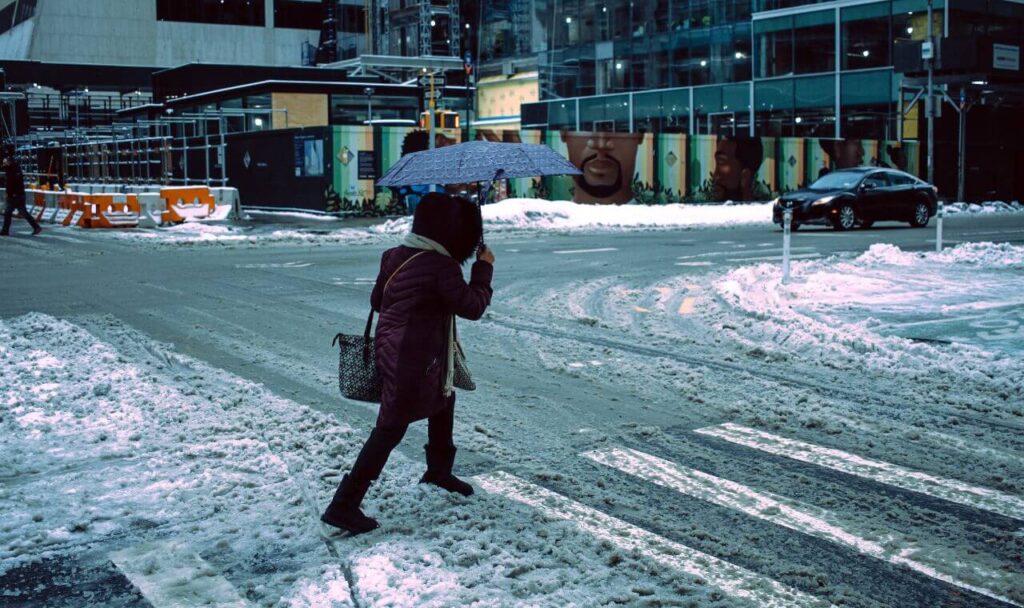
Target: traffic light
x=443, y=119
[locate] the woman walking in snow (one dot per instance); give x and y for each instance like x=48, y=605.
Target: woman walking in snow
x=419, y=291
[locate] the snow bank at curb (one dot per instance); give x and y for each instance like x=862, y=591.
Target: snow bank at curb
x=986, y=208
x=118, y=442
x=829, y=313
x=521, y=214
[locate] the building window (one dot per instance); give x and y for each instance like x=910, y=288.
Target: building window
x=815, y=42
x=867, y=104
x=814, y=101
x=26, y=10
x=773, y=101
x=7, y=17
x=223, y=12
x=867, y=36
x=773, y=46
x=299, y=15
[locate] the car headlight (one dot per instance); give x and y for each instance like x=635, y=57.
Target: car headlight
x=823, y=201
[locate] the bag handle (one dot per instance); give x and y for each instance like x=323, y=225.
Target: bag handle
x=369, y=320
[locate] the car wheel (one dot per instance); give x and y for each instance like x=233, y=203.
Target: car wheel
x=845, y=217
x=921, y=216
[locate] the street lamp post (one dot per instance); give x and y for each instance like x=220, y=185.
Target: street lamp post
x=368, y=91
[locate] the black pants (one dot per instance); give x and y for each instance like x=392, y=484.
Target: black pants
x=384, y=439
x=17, y=202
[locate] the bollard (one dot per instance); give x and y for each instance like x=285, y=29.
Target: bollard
x=787, y=222
x=938, y=226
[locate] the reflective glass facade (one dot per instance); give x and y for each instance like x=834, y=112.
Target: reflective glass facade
x=778, y=68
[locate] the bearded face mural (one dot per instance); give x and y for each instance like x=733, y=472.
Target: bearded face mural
x=608, y=162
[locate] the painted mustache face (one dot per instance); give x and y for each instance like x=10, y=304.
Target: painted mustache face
x=602, y=175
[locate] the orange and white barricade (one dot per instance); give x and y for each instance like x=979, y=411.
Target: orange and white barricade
x=52, y=206
x=35, y=203
x=63, y=210
x=187, y=203
x=79, y=211
x=113, y=211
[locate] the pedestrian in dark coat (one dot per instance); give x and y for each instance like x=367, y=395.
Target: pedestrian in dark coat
x=15, y=184
x=419, y=292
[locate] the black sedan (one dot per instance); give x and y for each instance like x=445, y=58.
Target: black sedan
x=860, y=197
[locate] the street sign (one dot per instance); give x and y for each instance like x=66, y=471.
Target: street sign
x=927, y=50
x=439, y=81
x=436, y=95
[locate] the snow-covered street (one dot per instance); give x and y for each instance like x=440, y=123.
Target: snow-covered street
x=659, y=420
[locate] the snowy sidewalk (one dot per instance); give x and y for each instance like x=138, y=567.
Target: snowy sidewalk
x=127, y=459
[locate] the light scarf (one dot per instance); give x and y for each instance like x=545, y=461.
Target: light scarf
x=417, y=241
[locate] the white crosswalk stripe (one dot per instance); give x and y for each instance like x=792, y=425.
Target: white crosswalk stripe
x=985, y=499
x=802, y=518
x=731, y=579
x=171, y=575
x=598, y=250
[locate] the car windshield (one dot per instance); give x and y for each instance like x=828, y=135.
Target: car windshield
x=836, y=181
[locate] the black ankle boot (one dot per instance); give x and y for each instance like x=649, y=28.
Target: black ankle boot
x=344, y=511
x=439, y=470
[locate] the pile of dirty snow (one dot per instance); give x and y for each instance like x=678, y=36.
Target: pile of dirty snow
x=840, y=313
x=985, y=208
x=520, y=214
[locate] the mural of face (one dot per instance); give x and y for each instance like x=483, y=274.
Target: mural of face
x=608, y=161
x=845, y=153
x=849, y=153
x=736, y=164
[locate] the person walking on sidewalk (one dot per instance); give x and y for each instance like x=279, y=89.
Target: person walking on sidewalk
x=16, y=196
x=419, y=291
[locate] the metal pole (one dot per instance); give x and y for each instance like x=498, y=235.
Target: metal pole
x=184, y=154
x=930, y=105
x=430, y=116
x=206, y=151
x=223, y=154
x=787, y=223
x=962, y=151
x=938, y=225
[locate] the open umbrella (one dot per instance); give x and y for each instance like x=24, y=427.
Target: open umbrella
x=476, y=161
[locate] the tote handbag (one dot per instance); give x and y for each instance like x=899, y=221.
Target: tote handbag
x=357, y=364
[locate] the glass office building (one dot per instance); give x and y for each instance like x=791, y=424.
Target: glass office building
x=775, y=68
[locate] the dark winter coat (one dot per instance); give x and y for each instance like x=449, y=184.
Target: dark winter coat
x=412, y=328
x=15, y=182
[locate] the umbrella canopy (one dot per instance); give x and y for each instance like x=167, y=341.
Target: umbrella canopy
x=476, y=161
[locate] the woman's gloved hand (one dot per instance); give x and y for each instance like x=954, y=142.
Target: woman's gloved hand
x=485, y=254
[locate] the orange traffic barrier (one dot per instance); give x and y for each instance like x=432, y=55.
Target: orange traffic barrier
x=113, y=211
x=80, y=210
x=187, y=203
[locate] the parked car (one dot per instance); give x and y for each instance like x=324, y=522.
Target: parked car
x=860, y=197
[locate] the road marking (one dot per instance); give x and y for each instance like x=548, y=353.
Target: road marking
x=801, y=518
x=827, y=234
x=715, y=254
x=776, y=258
x=276, y=265
x=171, y=575
x=641, y=309
x=731, y=579
x=694, y=263
x=600, y=250
x=952, y=490
x=686, y=308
